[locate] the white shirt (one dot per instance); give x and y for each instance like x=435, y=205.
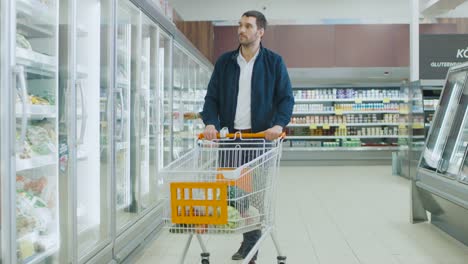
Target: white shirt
x=243, y=117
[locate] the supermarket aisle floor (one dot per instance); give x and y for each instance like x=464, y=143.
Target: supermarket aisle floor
x=339, y=215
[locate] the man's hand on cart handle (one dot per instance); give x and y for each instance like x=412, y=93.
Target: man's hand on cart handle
x=210, y=132
x=273, y=133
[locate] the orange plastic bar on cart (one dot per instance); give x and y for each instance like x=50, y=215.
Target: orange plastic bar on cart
x=208, y=207
x=244, y=182
x=242, y=135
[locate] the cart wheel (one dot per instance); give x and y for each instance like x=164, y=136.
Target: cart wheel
x=281, y=259
x=205, y=258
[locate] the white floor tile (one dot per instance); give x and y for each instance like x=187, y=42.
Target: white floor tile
x=333, y=215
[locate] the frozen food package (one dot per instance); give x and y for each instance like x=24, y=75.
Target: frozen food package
x=34, y=186
x=40, y=140
x=22, y=42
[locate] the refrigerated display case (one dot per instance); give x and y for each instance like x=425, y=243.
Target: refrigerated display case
x=92, y=82
x=37, y=204
x=88, y=103
x=440, y=186
x=128, y=19
x=150, y=78
x=165, y=81
x=411, y=147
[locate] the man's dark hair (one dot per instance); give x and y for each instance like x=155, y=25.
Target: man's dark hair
x=261, y=20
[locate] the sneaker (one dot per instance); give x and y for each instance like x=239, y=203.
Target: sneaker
x=239, y=255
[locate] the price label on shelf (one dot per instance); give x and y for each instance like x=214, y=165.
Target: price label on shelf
x=326, y=126
x=342, y=126
x=338, y=112
x=386, y=100
x=358, y=101
x=313, y=126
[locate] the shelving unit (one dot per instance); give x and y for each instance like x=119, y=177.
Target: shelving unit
x=342, y=119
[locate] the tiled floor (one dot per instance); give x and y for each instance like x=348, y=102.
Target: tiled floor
x=339, y=215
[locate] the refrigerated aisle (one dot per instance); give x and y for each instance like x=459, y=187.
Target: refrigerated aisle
x=36, y=108
x=333, y=215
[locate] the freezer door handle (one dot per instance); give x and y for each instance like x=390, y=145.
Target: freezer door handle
x=84, y=111
x=23, y=91
x=122, y=106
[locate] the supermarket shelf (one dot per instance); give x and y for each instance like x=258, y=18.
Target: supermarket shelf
x=395, y=148
x=429, y=109
x=121, y=146
x=349, y=112
x=343, y=137
x=32, y=30
x=39, y=258
x=36, y=63
x=81, y=71
x=353, y=100
x=187, y=100
x=81, y=30
x=345, y=124
x=37, y=112
x=314, y=113
x=39, y=13
x=35, y=162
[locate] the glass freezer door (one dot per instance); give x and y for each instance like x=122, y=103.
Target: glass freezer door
x=92, y=88
x=37, y=216
x=447, y=116
x=149, y=112
x=165, y=72
x=454, y=151
x=126, y=48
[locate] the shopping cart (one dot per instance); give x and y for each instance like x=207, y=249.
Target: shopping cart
x=224, y=186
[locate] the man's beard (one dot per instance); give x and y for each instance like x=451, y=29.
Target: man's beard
x=247, y=43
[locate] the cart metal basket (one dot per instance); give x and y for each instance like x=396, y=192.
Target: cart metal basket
x=224, y=186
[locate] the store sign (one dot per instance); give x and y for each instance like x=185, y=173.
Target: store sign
x=437, y=53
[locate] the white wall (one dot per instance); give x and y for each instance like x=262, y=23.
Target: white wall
x=298, y=11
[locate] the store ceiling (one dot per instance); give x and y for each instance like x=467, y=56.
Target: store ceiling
x=317, y=11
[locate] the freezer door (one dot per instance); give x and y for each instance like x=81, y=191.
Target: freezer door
x=149, y=114
x=446, y=123
x=182, y=129
x=165, y=98
x=127, y=50
x=93, y=59
x=36, y=112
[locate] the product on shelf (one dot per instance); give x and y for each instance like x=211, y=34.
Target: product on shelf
x=39, y=139
x=36, y=100
x=22, y=42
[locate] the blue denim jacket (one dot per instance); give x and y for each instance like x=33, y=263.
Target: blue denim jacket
x=272, y=100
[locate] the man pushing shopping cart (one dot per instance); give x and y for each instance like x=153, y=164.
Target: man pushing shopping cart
x=233, y=179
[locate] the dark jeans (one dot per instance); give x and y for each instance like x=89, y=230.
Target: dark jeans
x=234, y=159
x=250, y=238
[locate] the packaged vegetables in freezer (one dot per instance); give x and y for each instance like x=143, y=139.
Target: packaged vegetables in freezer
x=35, y=207
x=40, y=140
